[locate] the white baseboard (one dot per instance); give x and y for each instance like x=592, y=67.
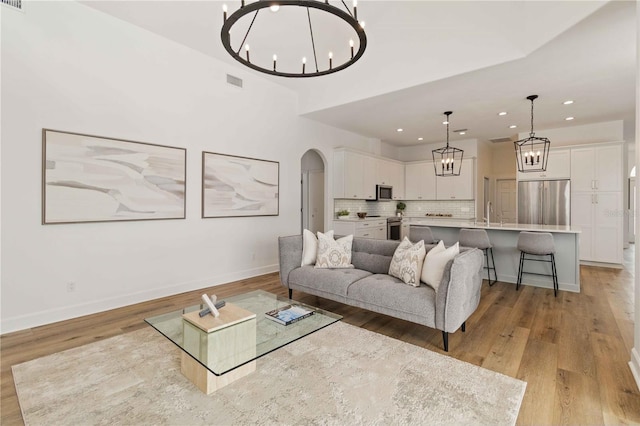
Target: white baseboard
x=9, y=325
x=634, y=364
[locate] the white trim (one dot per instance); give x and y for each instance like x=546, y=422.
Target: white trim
x=22, y=322
x=634, y=365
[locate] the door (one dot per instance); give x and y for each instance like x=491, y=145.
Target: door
x=316, y=201
x=506, y=200
x=555, y=204
x=530, y=202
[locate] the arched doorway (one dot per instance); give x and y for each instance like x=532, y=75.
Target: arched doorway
x=312, y=181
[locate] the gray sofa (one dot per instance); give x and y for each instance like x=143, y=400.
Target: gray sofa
x=369, y=286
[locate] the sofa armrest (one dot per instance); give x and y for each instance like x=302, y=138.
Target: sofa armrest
x=459, y=293
x=290, y=255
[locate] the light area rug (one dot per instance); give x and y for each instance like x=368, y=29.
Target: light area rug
x=339, y=375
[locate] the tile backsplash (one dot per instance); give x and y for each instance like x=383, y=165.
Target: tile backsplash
x=458, y=209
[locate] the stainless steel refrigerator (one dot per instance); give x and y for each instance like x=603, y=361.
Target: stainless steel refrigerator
x=544, y=202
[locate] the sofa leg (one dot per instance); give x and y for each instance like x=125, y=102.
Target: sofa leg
x=445, y=338
x=464, y=326
x=290, y=293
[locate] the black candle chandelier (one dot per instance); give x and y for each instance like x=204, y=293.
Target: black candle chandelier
x=242, y=51
x=447, y=161
x=532, y=153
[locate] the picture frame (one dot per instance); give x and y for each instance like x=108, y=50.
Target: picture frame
x=88, y=178
x=235, y=186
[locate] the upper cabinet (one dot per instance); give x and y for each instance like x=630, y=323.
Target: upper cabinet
x=354, y=175
x=389, y=172
x=457, y=187
x=558, y=167
x=597, y=168
x=420, y=181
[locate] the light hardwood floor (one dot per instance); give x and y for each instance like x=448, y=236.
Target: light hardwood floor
x=572, y=351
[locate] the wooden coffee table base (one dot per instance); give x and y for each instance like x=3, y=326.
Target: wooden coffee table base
x=208, y=382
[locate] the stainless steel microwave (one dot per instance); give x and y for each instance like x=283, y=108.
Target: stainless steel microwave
x=384, y=192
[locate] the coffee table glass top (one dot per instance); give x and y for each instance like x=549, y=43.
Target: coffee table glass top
x=226, y=349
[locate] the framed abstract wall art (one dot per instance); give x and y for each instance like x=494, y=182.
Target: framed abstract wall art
x=89, y=178
x=239, y=186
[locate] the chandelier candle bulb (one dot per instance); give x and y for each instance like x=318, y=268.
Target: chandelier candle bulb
x=275, y=58
x=224, y=12
x=246, y=47
x=355, y=9
x=304, y=64
x=351, y=45
x=330, y=60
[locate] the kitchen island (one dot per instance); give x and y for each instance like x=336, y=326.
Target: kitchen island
x=504, y=239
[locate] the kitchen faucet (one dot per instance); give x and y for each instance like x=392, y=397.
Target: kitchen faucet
x=488, y=213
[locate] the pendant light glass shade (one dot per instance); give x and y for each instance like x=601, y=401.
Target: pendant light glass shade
x=532, y=153
x=447, y=161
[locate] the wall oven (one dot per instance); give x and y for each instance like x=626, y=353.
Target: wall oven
x=394, y=226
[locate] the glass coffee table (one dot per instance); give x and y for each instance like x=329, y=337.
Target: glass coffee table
x=214, y=359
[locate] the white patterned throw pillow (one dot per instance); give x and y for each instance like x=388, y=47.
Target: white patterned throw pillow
x=310, y=247
x=434, y=264
x=334, y=253
x=407, y=262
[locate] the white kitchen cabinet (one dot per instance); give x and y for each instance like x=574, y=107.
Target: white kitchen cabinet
x=366, y=228
x=420, y=181
x=404, y=229
x=597, y=168
x=457, y=187
x=391, y=173
x=354, y=175
x=597, y=201
x=558, y=167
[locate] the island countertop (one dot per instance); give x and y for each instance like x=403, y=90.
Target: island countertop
x=496, y=226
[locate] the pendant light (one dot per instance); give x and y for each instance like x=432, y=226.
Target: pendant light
x=532, y=153
x=447, y=161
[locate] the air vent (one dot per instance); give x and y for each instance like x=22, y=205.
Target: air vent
x=234, y=80
x=501, y=140
x=16, y=4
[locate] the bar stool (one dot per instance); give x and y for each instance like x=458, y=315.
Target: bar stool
x=478, y=238
x=537, y=244
x=417, y=233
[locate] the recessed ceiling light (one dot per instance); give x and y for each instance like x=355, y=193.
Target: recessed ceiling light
x=400, y=130
x=420, y=139
x=445, y=122
x=567, y=102
x=513, y=126
x=463, y=133
x=502, y=113
x=569, y=118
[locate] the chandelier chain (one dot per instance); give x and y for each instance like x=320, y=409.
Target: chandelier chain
x=248, y=29
x=532, y=133
x=347, y=7
x=313, y=43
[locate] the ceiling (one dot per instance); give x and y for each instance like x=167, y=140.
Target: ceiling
x=475, y=58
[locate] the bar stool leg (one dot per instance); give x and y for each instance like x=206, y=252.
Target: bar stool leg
x=555, y=275
x=495, y=273
x=520, y=270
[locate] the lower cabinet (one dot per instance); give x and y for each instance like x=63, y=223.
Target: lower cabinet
x=367, y=228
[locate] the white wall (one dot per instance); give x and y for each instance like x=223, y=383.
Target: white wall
x=609, y=131
x=69, y=67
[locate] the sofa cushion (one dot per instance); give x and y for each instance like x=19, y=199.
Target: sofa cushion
x=373, y=255
x=435, y=264
x=310, y=247
x=334, y=253
x=407, y=262
x=389, y=295
x=334, y=281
